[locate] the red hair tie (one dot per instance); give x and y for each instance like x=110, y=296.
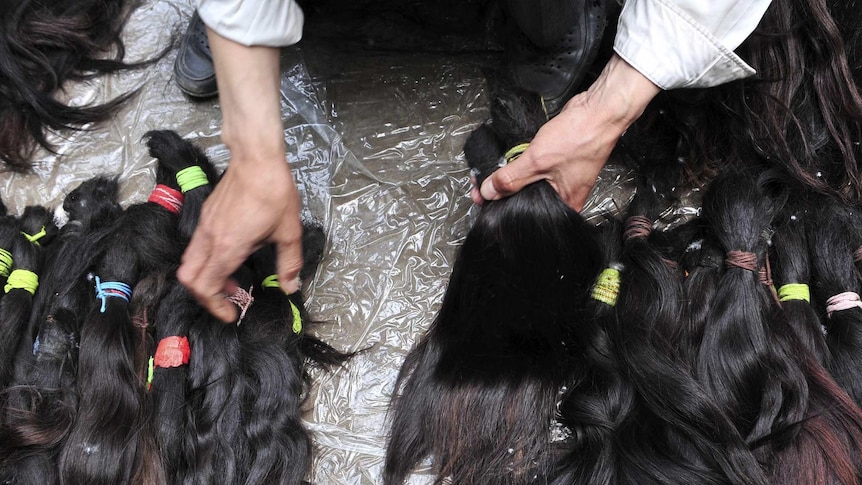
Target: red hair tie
x=170, y=199
x=172, y=352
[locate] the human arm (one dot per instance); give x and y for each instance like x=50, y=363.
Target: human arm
x=667, y=43
x=256, y=201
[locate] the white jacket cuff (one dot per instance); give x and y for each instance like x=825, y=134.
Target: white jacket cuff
x=273, y=23
x=687, y=43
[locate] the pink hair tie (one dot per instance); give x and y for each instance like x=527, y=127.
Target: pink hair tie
x=843, y=301
x=242, y=299
x=857, y=255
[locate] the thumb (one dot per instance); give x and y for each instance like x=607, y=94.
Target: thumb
x=289, y=264
x=510, y=179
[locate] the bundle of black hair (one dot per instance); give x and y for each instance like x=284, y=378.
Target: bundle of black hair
x=116, y=375
x=688, y=364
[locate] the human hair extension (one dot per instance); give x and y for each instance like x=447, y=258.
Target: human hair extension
x=9, y=231
x=599, y=401
x=825, y=446
x=801, y=112
x=693, y=440
x=703, y=263
x=38, y=226
x=106, y=445
x=167, y=391
x=792, y=273
x=274, y=353
x=479, y=391
x=755, y=381
x=42, y=400
x=832, y=241
x=43, y=45
x=21, y=285
x=216, y=448
x=196, y=174
x=86, y=215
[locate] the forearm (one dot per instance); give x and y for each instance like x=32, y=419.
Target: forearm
x=249, y=87
x=619, y=96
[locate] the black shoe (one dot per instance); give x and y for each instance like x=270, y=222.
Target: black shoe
x=193, y=68
x=556, y=73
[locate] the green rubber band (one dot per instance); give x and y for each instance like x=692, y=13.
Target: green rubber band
x=270, y=281
x=297, y=318
x=794, y=291
x=34, y=238
x=5, y=262
x=191, y=178
x=22, y=279
x=607, y=286
x=151, y=370
x=515, y=152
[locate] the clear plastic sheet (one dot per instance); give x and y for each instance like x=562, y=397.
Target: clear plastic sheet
x=374, y=137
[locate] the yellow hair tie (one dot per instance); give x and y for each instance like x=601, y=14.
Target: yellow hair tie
x=191, y=178
x=22, y=279
x=5, y=262
x=270, y=281
x=794, y=291
x=35, y=237
x=151, y=370
x=297, y=319
x=607, y=286
x=515, y=152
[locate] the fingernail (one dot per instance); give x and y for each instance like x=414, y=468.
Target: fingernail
x=292, y=286
x=488, y=191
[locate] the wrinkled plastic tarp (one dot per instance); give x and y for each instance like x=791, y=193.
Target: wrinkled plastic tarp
x=374, y=138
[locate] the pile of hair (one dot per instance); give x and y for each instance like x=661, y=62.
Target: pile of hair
x=43, y=45
x=726, y=350
x=139, y=384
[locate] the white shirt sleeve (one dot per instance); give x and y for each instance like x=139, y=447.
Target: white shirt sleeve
x=687, y=43
x=272, y=23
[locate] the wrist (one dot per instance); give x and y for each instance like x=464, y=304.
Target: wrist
x=621, y=93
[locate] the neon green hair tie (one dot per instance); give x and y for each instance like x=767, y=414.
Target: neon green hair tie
x=151, y=370
x=22, y=279
x=34, y=238
x=270, y=281
x=191, y=178
x=607, y=286
x=297, y=319
x=794, y=291
x=5, y=262
x=515, y=152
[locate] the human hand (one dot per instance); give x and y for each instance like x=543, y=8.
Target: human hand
x=256, y=201
x=247, y=208
x=570, y=150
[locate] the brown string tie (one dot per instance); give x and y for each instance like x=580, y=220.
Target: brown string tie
x=741, y=259
x=637, y=226
x=748, y=262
